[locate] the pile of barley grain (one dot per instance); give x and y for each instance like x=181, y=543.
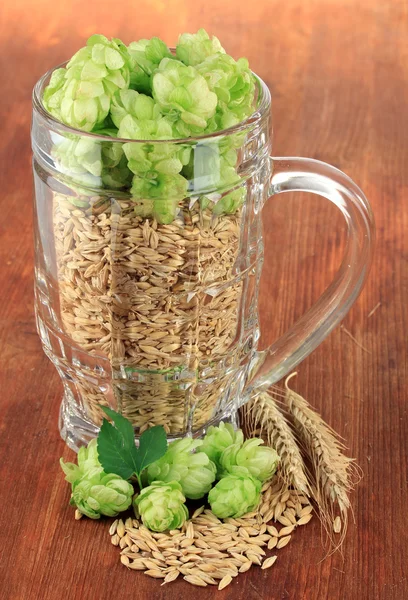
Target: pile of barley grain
x=135, y=292
x=208, y=551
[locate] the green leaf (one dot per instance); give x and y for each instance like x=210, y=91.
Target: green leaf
x=152, y=446
x=117, y=451
x=123, y=425
x=114, y=454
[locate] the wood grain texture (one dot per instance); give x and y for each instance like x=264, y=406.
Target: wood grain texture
x=338, y=74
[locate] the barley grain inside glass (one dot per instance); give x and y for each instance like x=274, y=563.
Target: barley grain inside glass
x=155, y=317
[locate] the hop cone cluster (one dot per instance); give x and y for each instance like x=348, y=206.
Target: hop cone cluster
x=235, y=494
x=143, y=92
x=217, y=439
x=161, y=506
x=94, y=492
x=193, y=470
x=80, y=95
x=260, y=461
x=184, y=96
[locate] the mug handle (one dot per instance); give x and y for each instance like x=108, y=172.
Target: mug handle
x=308, y=175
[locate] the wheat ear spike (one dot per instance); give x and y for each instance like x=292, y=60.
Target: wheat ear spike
x=332, y=471
x=263, y=418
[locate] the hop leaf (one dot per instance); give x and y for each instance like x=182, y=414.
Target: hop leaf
x=193, y=48
x=161, y=506
x=194, y=471
x=260, y=461
x=217, y=439
x=235, y=494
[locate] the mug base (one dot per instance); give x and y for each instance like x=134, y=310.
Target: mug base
x=76, y=430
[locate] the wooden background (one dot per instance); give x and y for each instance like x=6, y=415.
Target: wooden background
x=337, y=70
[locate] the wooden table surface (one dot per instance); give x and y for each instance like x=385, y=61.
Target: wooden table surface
x=339, y=78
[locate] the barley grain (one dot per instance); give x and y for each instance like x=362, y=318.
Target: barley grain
x=155, y=573
x=337, y=525
x=245, y=566
x=269, y=562
x=124, y=560
x=224, y=582
x=304, y=520
x=254, y=558
x=194, y=580
x=112, y=528
x=272, y=543
x=286, y=530
x=283, y=542
x=171, y=576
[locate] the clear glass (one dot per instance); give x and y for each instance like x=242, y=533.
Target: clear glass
x=147, y=301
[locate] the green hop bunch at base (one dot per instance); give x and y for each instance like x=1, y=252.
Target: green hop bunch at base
x=88, y=462
x=217, y=439
x=95, y=492
x=235, y=494
x=260, y=461
x=103, y=494
x=161, y=506
x=193, y=470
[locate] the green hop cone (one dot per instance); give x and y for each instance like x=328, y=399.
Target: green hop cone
x=94, y=492
x=193, y=470
x=161, y=192
x=217, y=439
x=54, y=92
x=101, y=494
x=260, y=461
x=193, y=48
x=88, y=462
x=146, y=56
x=230, y=200
x=80, y=158
x=130, y=102
x=156, y=167
x=212, y=175
x=161, y=506
x=234, y=84
x=115, y=171
x=81, y=98
x=183, y=95
x=235, y=495
x=92, y=163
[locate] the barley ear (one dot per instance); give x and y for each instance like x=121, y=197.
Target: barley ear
x=333, y=474
x=263, y=418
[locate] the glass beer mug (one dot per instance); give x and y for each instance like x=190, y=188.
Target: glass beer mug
x=147, y=294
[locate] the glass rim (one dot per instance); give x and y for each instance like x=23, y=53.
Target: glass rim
x=262, y=110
